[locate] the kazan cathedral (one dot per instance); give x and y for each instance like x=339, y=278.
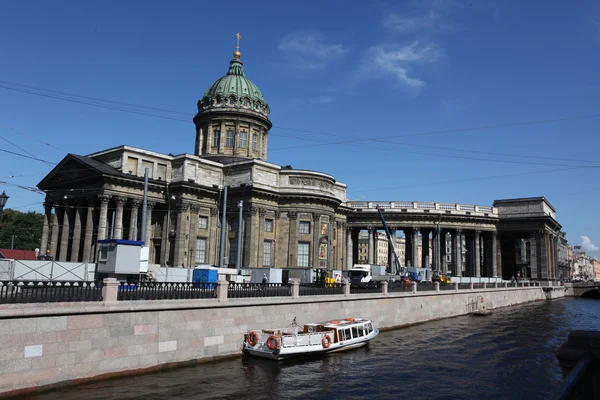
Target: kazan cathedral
x=290, y=218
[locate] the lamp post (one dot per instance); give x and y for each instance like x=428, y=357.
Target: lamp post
x=3, y=200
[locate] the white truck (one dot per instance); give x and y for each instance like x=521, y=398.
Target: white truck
x=369, y=275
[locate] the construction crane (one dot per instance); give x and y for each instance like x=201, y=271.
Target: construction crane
x=391, y=241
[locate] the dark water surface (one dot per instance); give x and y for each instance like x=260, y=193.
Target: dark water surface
x=507, y=355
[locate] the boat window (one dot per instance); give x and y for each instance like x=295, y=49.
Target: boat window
x=348, y=334
x=361, y=332
x=342, y=335
x=354, y=331
x=370, y=328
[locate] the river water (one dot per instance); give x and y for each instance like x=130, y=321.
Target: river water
x=506, y=355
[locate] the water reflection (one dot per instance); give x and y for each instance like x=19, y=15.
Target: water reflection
x=509, y=354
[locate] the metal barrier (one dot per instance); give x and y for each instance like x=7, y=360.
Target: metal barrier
x=402, y=287
x=238, y=290
x=49, y=292
x=365, y=289
x=317, y=289
x=165, y=291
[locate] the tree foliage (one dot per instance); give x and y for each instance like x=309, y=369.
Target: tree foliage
x=27, y=228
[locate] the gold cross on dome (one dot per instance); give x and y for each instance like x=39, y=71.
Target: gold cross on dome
x=237, y=46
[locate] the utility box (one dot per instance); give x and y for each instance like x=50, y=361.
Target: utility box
x=119, y=258
x=202, y=276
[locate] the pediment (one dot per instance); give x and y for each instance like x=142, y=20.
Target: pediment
x=73, y=170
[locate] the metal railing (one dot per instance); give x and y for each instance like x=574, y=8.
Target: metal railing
x=165, y=291
x=317, y=289
x=238, y=290
x=49, y=292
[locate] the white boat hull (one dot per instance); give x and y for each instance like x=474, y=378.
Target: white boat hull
x=275, y=345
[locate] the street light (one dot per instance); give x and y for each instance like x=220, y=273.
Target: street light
x=3, y=200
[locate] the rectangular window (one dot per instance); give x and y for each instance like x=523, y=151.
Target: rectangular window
x=234, y=225
x=243, y=140
x=268, y=225
x=304, y=227
x=232, y=252
x=303, y=254
x=216, y=137
x=103, y=253
x=268, y=253
x=229, y=139
x=150, y=166
x=254, y=142
x=200, y=250
x=202, y=222
x=161, y=170
x=132, y=165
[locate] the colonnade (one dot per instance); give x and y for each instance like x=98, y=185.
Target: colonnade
x=473, y=252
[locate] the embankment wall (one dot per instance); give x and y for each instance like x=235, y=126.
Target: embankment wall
x=48, y=345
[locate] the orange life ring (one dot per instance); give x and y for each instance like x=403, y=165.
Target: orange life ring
x=253, y=338
x=335, y=322
x=273, y=342
x=326, y=342
x=349, y=319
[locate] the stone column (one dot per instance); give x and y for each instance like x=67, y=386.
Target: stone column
x=212, y=242
x=76, y=243
x=408, y=248
x=252, y=237
x=46, y=228
x=89, y=232
x=533, y=257
x=355, y=233
x=371, y=248
x=425, y=248
x=415, y=247
x=180, y=235
x=477, y=250
x=279, y=257
x=316, y=237
x=133, y=219
x=120, y=201
x=555, y=243
x=104, y=199
x=348, y=248
x=54, y=237
x=262, y=215
x=64, y=235
x=149, y=206
x=437, y=259
x=193, y=234
x=293, y=243
x=457, y=252
x=443, y=262
x=542, y=246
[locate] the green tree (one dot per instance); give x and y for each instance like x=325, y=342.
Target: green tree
x=26, y=228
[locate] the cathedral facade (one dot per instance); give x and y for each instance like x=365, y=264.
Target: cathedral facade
x=289, y=217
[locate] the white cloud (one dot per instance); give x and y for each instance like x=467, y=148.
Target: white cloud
x=399, y=61
x=322, y=100
x=430, y=16
x=587, y=245
x=309, y=50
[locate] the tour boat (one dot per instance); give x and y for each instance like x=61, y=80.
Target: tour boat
x=313, y=338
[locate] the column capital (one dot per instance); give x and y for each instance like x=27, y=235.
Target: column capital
x=495, y=233
x=135, y=203
x=119, y=200
x=277, y=214
x=182, y=206
x=104, y=198
x=316, y=217
x=292, y=215
x=48, y=207
x=370, y=229
x=150, y=204
x=195, y=208
x=252, y=210
x=416, y=229
x=458, y=231
x=214, y=211
x=262, y=212
x=478, y=232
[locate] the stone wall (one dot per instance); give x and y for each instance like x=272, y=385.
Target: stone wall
x=44, y=345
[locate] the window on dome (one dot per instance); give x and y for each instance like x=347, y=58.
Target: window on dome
x=243, y=140
x=246, y=103
x=229, y=139
x=254, y=142
x=231, y=101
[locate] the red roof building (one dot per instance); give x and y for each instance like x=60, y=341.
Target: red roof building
x=17, y=254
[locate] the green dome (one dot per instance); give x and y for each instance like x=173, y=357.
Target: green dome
x=235, y=91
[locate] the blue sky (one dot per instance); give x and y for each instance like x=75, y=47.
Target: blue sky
x=386, y=97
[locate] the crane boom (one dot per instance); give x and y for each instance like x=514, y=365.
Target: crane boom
x=391, y=241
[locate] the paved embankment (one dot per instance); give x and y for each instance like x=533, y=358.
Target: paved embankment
x=42, y=345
